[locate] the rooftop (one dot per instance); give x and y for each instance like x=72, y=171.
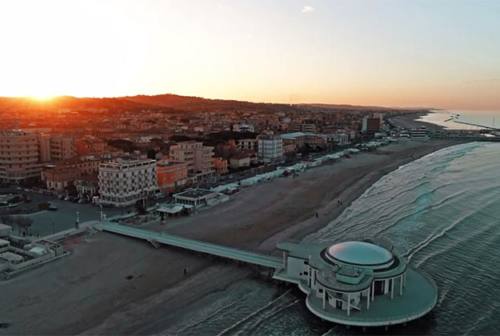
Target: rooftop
x=359, y=253
x=195, y=193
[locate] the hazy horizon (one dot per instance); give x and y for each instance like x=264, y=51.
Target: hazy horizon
x=379, y=53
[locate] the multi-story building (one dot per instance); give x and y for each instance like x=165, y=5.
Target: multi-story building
x=339, y=138
x=220, y=166
x=306, y=126
x=270, y=148
x=62, y=174
x=124, y=182
x=56, y=148
x=90, y=145
x=301, y=139
x=19, y=156
x=199, y=158
x=372, y=123
x=171, y=175
x=62, y=148
x=247, y=144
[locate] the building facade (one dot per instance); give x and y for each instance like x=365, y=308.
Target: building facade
x=362, y=283
x=124, y=182
x=62, y=174
x=199, y=158
x=19, y=156
x=220, y=166
x=62, y=148
x=22, y=153
x=270, y=148
x=247, y=144
x=171, y=175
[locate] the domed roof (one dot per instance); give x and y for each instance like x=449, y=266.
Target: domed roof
x=359, y=253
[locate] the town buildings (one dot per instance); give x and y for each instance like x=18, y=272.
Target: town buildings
x=63, y=174
x=199, y=158
x=372, y=123
x=23, y=153
x=241, y=160
x=270, y=148
x=61, y=148
x=242, y=127
x=246, y=145
x=220, y=166
x=19, y=156
x=171, y=175
x=123, y=182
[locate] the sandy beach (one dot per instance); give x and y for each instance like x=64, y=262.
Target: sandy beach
x=115, y=285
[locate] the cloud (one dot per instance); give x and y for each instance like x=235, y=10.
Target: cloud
x=307, y=9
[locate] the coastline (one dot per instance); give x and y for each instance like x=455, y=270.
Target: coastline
x=412, y=120
x=92, y=289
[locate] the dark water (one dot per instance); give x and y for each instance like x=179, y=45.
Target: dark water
x=442, y=212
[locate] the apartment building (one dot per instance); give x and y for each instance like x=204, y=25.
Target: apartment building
x=220, y=165
x=372, y=123
x=124, y=182
x=171, y=175
x=61, y=174
x=56, y=147
x=19, y=156
x=62, y=147
x=199, y=158
x=22, y=153
x=270, y=148
x=247, y=144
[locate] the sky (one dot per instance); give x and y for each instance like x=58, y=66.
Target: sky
x=432, y=53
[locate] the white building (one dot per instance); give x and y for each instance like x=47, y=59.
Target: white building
x=124, y=182
x=338, y=138
x=243, y=128
x=270, y=148
x=199, y=158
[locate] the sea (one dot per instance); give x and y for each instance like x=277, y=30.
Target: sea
x=442, y=212
x=463, y=119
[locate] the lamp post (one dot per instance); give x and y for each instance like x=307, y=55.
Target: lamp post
x=101, y=214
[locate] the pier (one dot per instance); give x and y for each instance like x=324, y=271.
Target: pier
x=357, y=283
x=161, y=238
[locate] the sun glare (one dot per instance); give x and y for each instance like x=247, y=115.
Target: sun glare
x=42, y=98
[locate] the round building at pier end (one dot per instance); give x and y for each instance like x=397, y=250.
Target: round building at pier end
x=358, y=283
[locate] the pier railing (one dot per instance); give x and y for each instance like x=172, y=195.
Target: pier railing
x=193, y=245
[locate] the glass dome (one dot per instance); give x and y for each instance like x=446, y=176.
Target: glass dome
x=360, y=253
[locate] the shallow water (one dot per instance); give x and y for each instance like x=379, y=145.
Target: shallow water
x=470, y=118
x=442, y=212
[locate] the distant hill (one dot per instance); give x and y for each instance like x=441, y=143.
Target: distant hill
x=67, y=102
x=187, y=103
x=165, y=103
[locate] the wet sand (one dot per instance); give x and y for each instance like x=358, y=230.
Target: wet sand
x=117, y=285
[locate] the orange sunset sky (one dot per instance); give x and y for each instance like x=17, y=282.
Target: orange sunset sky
x=380, y=52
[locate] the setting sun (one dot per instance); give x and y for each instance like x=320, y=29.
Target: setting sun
x=292, y=53
x=42, y=98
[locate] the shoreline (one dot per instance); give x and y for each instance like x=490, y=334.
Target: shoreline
x=93, y=282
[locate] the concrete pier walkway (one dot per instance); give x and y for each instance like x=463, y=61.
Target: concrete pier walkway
x=192, y=245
